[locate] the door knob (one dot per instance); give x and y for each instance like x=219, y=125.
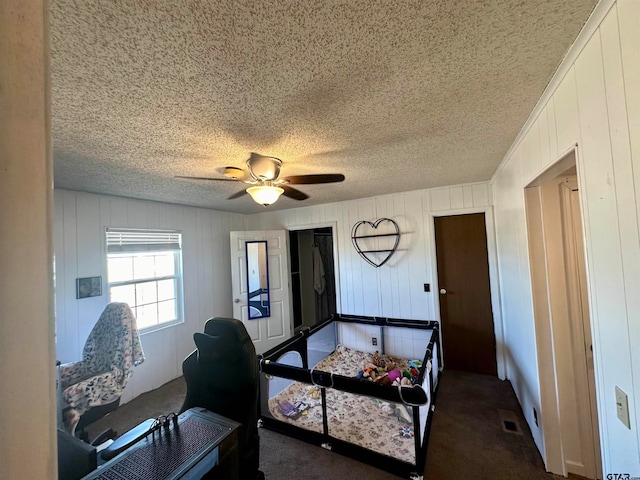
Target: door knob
x=443, y=291
x=237, y=300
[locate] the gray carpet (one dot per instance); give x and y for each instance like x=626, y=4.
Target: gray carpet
x=467, y=439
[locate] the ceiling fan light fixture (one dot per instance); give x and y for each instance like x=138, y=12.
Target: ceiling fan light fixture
x=233, y=172
x=264, y=168
x=265, y=194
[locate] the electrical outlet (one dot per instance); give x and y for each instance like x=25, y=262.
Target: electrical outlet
x=374, y=341
x=622, y=407
x=427, y=287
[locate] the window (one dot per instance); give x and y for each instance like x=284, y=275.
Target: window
x=144, y=269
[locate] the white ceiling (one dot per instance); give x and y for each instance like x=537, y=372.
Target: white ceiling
x=396, y=95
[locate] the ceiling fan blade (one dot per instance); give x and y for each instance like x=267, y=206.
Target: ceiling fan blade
x=293, y=193
x=208, y=178
x=237, y=195
x=311, y=179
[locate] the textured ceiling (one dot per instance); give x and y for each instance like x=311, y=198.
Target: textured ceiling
x=397, y=95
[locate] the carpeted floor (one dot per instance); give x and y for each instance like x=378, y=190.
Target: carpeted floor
x=467, y=437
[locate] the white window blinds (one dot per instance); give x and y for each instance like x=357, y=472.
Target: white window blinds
x=122, y=240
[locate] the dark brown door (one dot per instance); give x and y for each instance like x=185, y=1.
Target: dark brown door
x=468, y=339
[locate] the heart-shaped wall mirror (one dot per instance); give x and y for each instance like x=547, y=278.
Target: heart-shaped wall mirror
x=376, y=242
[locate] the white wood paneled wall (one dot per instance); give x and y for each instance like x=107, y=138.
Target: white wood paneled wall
x=595, y=105
x=401, y=342
x=80, y=220
x=394, y=290
x=407, y=343
x=359, y=336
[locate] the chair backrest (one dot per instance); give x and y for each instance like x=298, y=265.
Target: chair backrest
x=222, y=376
x=228, y=356
x=114, y=342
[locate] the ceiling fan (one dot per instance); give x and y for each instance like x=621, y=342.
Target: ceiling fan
x=266, y=187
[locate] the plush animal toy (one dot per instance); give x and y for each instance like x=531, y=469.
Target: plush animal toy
x=376, y=358
x=313, y=392
x=406, y=432
x=370, y=374
x=386, y=408
x=368, y=365
x=394, y=374
x=384, y=379
x=403, y=415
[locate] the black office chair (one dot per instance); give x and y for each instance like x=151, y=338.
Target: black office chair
x=222, y=376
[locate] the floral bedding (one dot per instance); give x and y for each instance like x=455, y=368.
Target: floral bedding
x=380, y=426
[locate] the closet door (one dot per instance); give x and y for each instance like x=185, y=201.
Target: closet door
x=468, y=339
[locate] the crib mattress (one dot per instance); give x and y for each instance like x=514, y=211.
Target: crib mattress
x=381, y=426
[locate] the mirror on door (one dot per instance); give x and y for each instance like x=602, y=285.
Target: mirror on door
x=257, y=279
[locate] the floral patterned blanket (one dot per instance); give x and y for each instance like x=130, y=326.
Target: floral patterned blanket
x=111, y=351
x=380, y=426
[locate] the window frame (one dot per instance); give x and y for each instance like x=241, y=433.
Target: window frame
x=172, y=242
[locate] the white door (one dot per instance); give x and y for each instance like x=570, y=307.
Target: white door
x=585, y=378
x=269, y=331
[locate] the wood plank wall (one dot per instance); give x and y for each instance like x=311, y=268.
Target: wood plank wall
x=596, y=106
x=395, y=289
x=80, y=220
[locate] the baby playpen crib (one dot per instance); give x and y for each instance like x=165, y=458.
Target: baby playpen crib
x=362, y=386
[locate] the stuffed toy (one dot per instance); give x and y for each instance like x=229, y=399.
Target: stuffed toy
x=394, y=375
x=415, y=364
x=377, y=360
x=369, y=365
x=403, y=415
x=369, y=374
x=313, y=392
x=406, y=432
x=386, y=408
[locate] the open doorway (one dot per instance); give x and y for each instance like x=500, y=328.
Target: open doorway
x=563, y=333
x=313, y=285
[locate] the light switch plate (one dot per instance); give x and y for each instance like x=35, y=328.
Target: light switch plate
x=622, y=407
